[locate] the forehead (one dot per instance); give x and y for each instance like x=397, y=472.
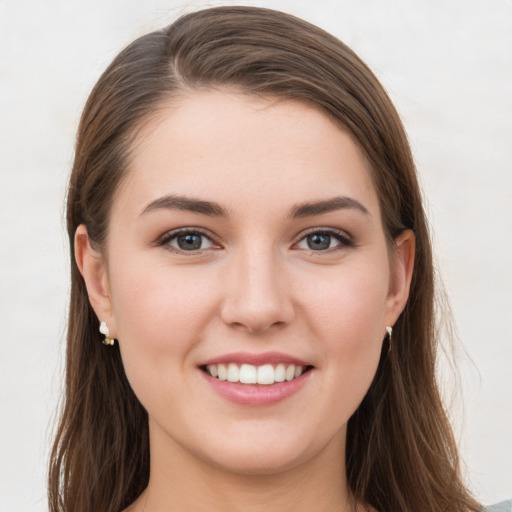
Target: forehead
x=234, y=148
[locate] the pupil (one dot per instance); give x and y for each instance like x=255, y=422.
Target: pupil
x=189, y=242
x=319, y=241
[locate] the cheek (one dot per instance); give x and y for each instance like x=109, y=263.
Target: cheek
x=348, y=322
x=157, y=302
x=160, y=315
x=350, y=304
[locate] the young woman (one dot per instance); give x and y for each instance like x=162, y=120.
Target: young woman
x=251, y=323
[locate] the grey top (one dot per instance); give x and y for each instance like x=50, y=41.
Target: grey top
x=504, y=506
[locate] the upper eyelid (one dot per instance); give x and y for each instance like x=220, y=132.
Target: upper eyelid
x=168, y=235
x=333, y=231
x=191, y=229
x=345, y=239
x=165, y=237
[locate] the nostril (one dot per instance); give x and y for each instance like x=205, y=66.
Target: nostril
x=256, y=307
x=262, y=327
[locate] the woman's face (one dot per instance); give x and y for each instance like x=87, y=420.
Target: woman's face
x=246, y=244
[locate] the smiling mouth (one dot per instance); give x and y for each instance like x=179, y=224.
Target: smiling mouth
x=266, y=374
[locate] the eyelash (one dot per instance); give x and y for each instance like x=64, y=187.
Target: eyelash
x=166, y=240
x=344, y=240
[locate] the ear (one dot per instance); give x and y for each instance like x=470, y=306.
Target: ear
x=402, y=265
x=94, y=271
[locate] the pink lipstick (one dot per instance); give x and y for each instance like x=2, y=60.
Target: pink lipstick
x=256, y=379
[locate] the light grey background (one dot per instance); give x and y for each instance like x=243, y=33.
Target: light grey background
x=447, y=64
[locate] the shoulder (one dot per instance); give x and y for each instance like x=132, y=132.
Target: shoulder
x=504, y=506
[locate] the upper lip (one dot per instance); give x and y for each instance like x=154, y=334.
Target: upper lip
x=256, y=359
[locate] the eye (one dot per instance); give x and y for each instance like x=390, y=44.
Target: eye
x=186, y=240
x=324, y=240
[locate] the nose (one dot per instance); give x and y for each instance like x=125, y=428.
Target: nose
x=258, y=295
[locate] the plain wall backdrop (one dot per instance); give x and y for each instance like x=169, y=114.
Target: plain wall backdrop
x=447, y=64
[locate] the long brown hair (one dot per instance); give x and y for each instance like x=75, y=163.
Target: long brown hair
x=401, y=455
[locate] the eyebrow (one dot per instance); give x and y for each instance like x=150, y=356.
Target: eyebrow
x=189, y=204
x=210, y=208
x=326, y=206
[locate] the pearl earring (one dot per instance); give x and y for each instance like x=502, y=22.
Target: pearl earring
x=105, y=331
x=389, y=330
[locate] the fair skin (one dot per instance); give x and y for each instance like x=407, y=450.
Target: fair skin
x=282, y=260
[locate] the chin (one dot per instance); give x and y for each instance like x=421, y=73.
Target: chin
x=270, y=453
x=251, y=463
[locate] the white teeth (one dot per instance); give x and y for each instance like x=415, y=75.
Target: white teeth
x=248, y=374
x=233, y=373
x=222, y=370
x=279, y=373
x=212, y=368
x=290, y=372
x=265, y=374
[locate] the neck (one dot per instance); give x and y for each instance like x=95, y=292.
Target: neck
x=180, y=481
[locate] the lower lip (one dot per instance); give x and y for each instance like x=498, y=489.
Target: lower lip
x=256, y=394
